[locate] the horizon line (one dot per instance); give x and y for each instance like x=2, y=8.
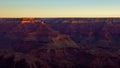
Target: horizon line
x=67, y=17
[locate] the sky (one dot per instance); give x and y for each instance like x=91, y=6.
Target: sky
x=59, y=8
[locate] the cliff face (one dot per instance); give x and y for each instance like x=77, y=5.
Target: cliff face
x=50, y=58
x=90, y=29
x=60, y=43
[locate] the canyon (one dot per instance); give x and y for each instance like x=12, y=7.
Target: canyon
x=59, y=42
